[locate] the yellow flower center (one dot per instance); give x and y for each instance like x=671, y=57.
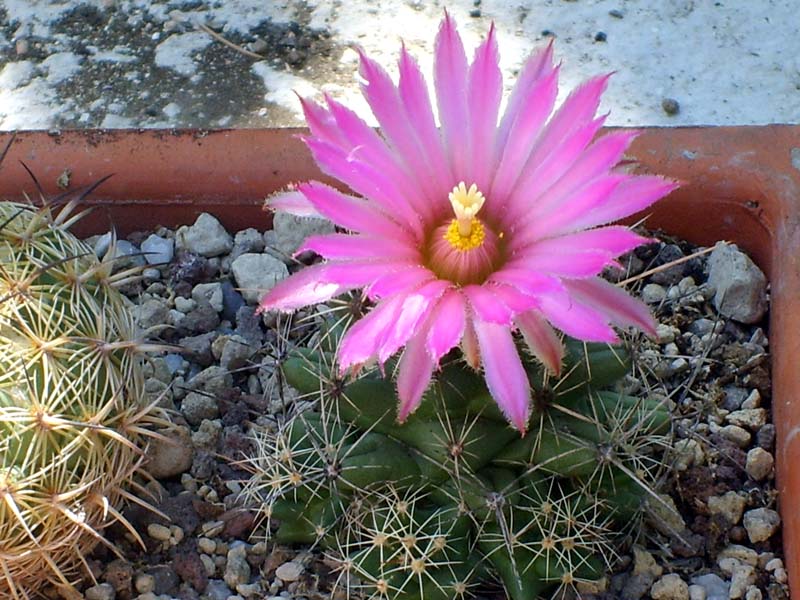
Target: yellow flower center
x=465, y=232
x=470, y=241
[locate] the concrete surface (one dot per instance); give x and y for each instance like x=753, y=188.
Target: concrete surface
x=137, y=63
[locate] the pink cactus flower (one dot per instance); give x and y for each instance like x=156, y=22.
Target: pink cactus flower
x=469, y=233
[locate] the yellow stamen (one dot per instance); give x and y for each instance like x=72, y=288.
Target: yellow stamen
x=466, y=204
x=465, y=242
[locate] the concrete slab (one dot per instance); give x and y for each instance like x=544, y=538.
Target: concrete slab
x=137, y=63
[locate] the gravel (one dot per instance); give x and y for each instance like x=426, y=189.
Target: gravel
x=712, y=370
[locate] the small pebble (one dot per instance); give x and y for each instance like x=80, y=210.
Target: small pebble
x=144, y=583
x=759, y=464
x=158, y=532
x=761, y=524
x=104, y=591
x=616, y=13
x=697, y=592
x=729, y=505
x=206, y=545
x=289, y=571
x=600, y=36
x=670, y=587
x=670, y=106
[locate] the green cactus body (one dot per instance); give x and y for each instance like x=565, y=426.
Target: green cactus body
x=538, y=512
x=71, y=426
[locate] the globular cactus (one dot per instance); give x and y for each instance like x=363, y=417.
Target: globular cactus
x=542, y=512
x=72, y=425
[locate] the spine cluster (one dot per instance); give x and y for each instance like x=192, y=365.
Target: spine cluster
x=432, y=507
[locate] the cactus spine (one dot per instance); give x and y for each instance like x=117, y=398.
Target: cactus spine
x=545, y=511
x=71, y=425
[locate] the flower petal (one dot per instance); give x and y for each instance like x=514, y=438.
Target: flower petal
x=544, y=168
x=528, y=282
x=293, y=202
x=505, y=376
x=469, y=345
x=413, y=91
x=572, y=210
x=576, y=319
x=413, y=375
x=542, y=339
x=354, y=214
x=570, y=263
x=612, y=241
x=446, y=324
x=450, y=81
x=309, y=286
x=631, y=196
x=344, y=246
x=536, y=67
x=486, y=305
x=595, y=162
x=616, y=304
x=415, y=308
x=362, y=340
x=516, y=148
x=397, y=282
x=322, y=124
x=366, y=180
x=484, y=91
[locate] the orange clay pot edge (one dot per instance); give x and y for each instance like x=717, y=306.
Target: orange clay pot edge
x=740, y=184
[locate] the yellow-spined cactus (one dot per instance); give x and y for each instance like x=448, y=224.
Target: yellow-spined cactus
x=72, y=422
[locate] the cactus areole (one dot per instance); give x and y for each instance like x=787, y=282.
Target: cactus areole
x=72, y=423
x=470, y=232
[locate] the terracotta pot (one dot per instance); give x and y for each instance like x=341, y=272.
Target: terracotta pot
x=741, y=184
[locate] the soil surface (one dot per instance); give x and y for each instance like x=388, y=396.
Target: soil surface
x=138, y=63
x=723, y=541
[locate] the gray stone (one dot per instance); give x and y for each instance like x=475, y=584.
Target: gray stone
x=255, y=274
x=207, y=435
x=151, y=313
x=232, y=301
x=235, y=353
x=741, y=287
x=291, y=231
x=210, y=293
x=173, y=457
x=247, y=241
x=289, y=571
x=670, y=587
x=197, y=407
x=173, y=362
x=207, y=237
x=184, y=305
x=734, y=396
x=759, y=464
x=158, y=250
x=213, y=381
x=715, y=587
x=218, y=590
x=237, y=569
x=761, y=524
x=653, y=293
